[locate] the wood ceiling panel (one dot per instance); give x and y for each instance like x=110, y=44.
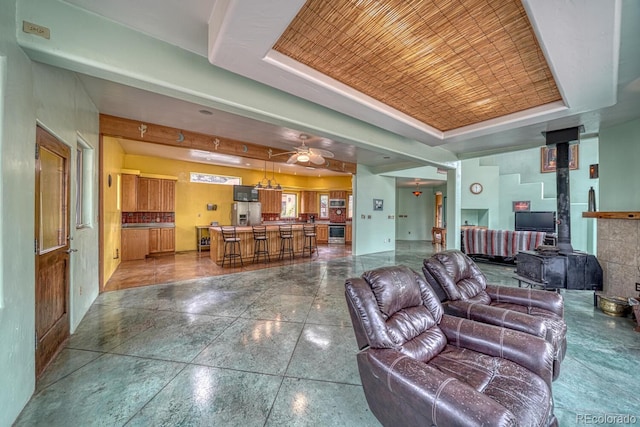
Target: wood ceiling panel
x=448, y=64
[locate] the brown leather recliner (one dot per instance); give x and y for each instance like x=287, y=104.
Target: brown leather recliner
x=421, y=367
x=463, y=289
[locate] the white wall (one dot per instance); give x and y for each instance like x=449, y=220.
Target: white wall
x=31, y=92
x=376, y=231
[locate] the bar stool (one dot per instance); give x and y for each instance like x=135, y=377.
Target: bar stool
x=310, y=242
x=286, y=241
x=261, y=243
x=231, y=243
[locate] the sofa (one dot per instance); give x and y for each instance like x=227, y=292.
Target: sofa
x=422, y=367
x=464, y=291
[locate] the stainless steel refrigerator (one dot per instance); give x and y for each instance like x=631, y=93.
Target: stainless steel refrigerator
x=246, y=213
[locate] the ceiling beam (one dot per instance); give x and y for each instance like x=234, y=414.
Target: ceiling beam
x=158, y=134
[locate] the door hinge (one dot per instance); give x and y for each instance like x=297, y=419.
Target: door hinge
x=37, y=151
x=36, y=334
x=35, y=246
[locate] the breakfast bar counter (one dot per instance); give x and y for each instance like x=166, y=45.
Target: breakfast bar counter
x=247, y=243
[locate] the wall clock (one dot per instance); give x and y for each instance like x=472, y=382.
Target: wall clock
x=476, y=188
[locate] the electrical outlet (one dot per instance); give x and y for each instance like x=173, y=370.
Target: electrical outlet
x=637, y=286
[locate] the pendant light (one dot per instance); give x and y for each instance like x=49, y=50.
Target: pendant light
x=417, y=191
x=265, y=183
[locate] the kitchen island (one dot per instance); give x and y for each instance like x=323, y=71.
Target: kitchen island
x=247, y=243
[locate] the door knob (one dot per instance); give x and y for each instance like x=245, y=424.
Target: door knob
x=71, y=250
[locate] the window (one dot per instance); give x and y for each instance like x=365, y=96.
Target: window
x=84, y=184
x=324, y=206
x=289, y=206
x=350, y=206
x=206, y=178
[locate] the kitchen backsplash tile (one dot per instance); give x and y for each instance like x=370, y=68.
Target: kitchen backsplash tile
x=147, y=217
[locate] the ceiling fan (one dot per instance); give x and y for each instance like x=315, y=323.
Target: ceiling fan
x=304, y=153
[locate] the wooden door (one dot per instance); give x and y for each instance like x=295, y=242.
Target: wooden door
x=51, y=247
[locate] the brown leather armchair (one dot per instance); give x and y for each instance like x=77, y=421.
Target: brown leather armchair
x=421, y=367
x=463, y=289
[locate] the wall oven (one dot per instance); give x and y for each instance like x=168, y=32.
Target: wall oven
x=336, y=234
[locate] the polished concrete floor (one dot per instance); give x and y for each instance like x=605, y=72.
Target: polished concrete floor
x=275, y=347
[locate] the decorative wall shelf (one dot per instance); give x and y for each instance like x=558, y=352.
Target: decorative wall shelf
x=611, y=215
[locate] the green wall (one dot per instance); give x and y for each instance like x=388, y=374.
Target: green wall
x=619, y=171
x=35, y=93
x=375, y=232
x=516, y=176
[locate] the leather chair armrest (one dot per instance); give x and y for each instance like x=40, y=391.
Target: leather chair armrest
x=528, y=351
x=435, y=395
x=532, y=325
x=546, y=300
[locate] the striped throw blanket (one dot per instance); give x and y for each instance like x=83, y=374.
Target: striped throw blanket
x=505, y=243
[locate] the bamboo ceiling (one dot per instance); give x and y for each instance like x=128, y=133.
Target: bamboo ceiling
x=445, y=63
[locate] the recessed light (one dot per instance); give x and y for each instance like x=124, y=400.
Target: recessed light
x=205, y=112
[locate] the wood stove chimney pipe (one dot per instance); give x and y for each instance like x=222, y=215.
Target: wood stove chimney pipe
x=561, y=138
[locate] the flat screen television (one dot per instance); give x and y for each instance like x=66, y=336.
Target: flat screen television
x=544, y=221
x=245, y=193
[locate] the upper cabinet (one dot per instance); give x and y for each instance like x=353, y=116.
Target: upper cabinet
x=271, y=201
x=129, y=192
x=141, y=194
x=149, y=195
x=309, y=202
x=337, y=194
x=168, y=193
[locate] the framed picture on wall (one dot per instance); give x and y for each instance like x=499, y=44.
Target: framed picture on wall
x=548, y=158
x=378, y=204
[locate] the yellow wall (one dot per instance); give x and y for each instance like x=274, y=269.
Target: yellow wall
x=113, y=160
x=192, y=198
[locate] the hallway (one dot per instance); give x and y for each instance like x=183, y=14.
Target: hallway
x=275, y=347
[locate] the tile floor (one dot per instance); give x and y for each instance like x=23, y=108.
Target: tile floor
x=275, y=347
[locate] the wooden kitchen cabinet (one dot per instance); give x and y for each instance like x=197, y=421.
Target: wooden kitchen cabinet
x=134, y=243
x=149, y=195
x=271, y=201
x=309, y=202
x=162, y=240
x=348, y=231
x=129, y=192
x=322, y=233
x=338, y=195
x=156, y=195
x=168, y=195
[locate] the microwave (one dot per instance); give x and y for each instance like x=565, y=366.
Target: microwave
x=337, y=203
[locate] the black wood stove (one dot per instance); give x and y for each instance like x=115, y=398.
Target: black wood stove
x=560, y=266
